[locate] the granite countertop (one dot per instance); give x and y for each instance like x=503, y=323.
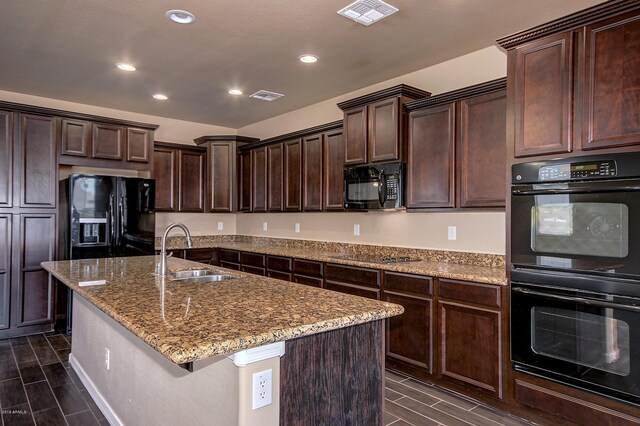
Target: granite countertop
x=193, y=321
x=477, y=267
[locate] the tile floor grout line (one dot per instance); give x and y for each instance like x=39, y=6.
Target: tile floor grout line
x=24, y=389
x=422, y=415
x=456, y=417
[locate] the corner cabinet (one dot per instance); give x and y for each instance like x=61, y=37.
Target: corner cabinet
x=575, y=83
x=456, y=148
x=375, y=125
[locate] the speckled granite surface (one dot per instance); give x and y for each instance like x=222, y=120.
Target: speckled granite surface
x=193, y=321
x=478, y=267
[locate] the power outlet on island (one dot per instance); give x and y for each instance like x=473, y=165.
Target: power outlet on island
x=262, y=389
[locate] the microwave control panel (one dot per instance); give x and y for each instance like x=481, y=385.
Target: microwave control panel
x=392, y=187
x=583, y=170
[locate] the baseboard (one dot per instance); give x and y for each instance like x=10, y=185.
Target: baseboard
x=104, y=406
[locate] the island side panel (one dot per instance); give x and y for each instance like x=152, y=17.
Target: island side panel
x=335, y=377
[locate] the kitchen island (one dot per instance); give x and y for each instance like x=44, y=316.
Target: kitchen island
x=133, y=331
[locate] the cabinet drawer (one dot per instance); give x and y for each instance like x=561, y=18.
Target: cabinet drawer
x=413, y=285
x=252, y=259
x=464, y=291
x=314, y=282
x=203, y=255
x=279, y=275
x=252, y=270
x=278, y=263
x=308, y=268
x=230, y=265
x=229, y=256
x=353, y=289
x=352, y=275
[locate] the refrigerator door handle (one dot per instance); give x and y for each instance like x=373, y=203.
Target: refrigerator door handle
x=121, y=219
x=112, y=222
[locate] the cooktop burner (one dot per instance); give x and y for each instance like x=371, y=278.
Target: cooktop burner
x=377, y=259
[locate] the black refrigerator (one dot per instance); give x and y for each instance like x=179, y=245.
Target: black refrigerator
x=105, y=216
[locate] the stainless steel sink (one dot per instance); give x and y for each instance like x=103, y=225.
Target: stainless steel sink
x=199, y=276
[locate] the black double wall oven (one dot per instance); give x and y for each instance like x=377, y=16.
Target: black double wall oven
x=575, y=276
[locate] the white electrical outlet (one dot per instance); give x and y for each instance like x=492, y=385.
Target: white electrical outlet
x=356, y=229
x=107, y=358
x=452, y=233
x=296, y=227
x=265, y=226
x=262, y=389
x=220, y=226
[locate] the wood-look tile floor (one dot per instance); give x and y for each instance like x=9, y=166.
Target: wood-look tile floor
x=37, y=385
x=411, y=402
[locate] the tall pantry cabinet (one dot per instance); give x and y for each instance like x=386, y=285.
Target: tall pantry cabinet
x=28, y=201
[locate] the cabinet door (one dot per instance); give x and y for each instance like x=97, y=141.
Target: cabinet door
x=409, y=336
x=293, y=175
x=355, y=135
x=333, y=171
x=32, y=286
x=164, y=172
x=430, y=169
x=384, y=130
x=35, y=161
x=76, y=138
x=5, y=270
x=259, y=180
x=470, y=350
x=221, y=157
x=611, y=108
x=312, y=173
x=6, y=159
x=107, y=141
x=191, y=181
x=139, y=145
x=274, y=177
x=481, y=151
x=244, y=181
x=543, y=96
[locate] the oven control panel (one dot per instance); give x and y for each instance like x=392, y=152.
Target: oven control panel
x=582, y=170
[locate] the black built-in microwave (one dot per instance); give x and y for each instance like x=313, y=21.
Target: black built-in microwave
x=374, y=186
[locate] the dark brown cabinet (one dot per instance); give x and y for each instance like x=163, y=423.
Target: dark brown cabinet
x=229, y=259
x=279, y=267
x=470, y=327
x=543, y=77
x=108, y=141
x=308, y=272
x=139, y=142
x=180, y=175
x=457, y=143
x=75, y=137
x=312, y=172
x=410, y=335
x=259, y=180
x=244, y=181
x=611, y=70
x=352, y=280
x=35, y=167
x=5, y=270
x=375, y=125
x=333, y=171
x=207, y=256
x=292, y=179
x=275, y=178
x=6, y=156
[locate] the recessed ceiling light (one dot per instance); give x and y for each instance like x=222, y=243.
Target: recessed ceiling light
x=160, y=97
x=307, y=58
x=125, y=67
x=236, y=92
x=180, y=16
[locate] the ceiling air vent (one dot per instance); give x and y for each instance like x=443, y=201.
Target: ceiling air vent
x=265, y=95
x=366, y=12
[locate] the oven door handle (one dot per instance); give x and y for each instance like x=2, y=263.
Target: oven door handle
x=581, y=300
x=552, y=191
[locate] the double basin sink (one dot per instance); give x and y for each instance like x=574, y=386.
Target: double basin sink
x=199, y=276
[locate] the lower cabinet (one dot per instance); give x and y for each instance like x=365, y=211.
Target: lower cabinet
x=363, y=282
x=308, y=272
x=279, y=267
x=409, y=343
x=27, y=292
x=208, y=256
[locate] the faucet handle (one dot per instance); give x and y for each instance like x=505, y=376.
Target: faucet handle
x=169, y=254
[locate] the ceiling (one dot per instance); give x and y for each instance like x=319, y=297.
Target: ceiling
x=67, y=49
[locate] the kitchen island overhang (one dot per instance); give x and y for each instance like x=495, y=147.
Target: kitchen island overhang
x=327, y=334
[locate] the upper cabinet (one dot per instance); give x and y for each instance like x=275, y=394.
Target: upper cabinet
x=456, y=148
x=222, y=166
x=333, y=170
x=375, y=125
x=574, y=83
x=6, y=157
x=292, y=178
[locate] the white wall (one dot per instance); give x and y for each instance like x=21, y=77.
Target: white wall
x=170, y=130
x=198, y=223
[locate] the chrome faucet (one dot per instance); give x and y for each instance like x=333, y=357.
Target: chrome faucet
x=163, y=249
